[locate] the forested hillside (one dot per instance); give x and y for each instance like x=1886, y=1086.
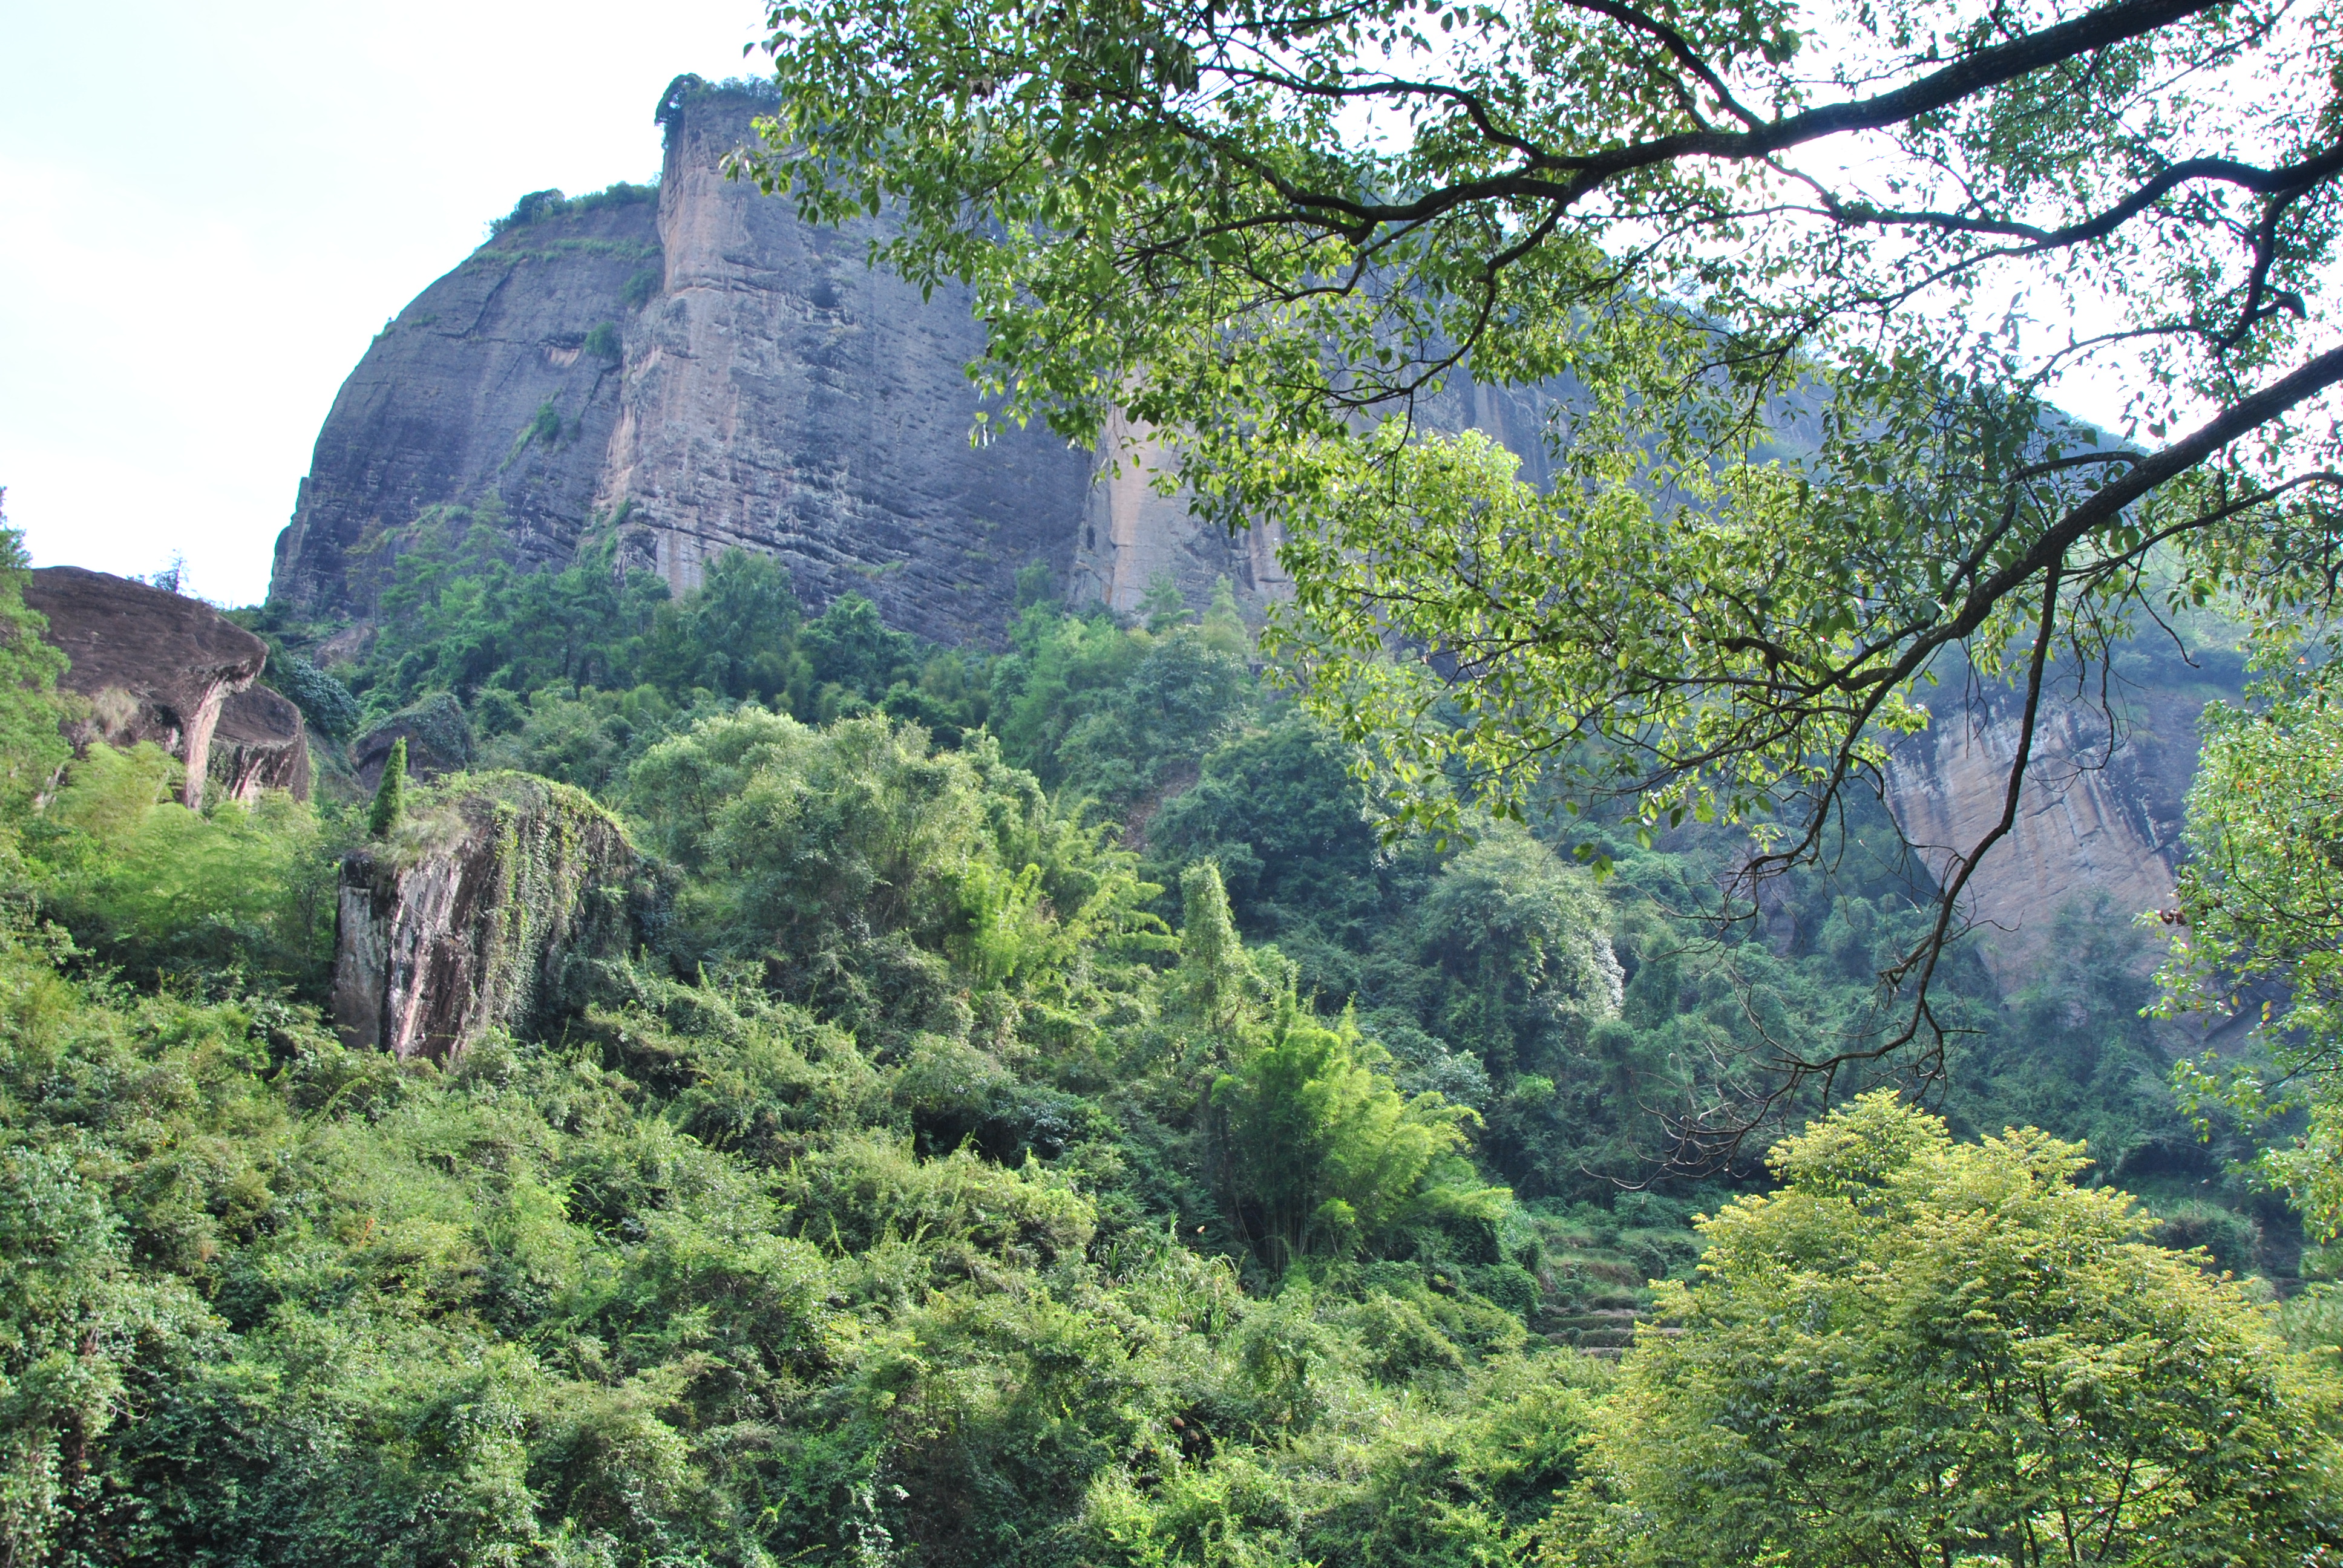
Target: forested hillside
x=1050, y=1125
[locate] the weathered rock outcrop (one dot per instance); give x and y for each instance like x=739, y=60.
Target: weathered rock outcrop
x=261, y=742
x=487, y=908
x=720, y=374
x=2091, y=816
x=156, y=667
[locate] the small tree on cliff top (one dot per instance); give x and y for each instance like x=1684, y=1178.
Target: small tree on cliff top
x=390, y=795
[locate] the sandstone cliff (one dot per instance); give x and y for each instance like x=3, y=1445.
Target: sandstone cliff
x=486, y=909
x=2101, y=808
x=156, y=667
x=444, y=407
x=705, y=371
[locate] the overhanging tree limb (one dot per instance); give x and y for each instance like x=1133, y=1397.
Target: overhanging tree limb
x=1801, y=442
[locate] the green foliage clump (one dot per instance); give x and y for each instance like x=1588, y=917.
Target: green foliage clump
x=603, y=343
x=890, y=885
x=544, y=427
x=1917, y=1350
x=1325, y=1153
x=1116, y=714
x=2258, y=902
x=31, y=750
x=456, y=618
x=737, y=637
x=328, y=705
x=538, y=205
x=239, y=890
x=390, y=795
x=583, y=736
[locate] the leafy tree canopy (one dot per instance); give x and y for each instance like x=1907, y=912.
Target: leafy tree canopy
x=1804, y=279
x=1918, y=1350
x=2258, y=919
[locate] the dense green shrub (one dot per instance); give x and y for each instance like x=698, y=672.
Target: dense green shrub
x=328, y=705
x=685, y=1281
x=31, y=750
x=234, y=890
x=538, y=205
x=544, y=427
x=966, y=1171
x=1924, y=1351
x=390, y=794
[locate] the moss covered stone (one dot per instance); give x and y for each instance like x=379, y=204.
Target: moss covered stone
x=486, y=908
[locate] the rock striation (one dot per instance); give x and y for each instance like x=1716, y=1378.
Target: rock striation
x=702, y=371
x=2100, y=811
x=156, y=667
x=486, y=909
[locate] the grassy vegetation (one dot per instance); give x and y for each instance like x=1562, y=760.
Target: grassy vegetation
x=1048, y=1126
x=538, y=205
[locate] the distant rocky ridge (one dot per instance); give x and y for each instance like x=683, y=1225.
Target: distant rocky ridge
x=153, y=666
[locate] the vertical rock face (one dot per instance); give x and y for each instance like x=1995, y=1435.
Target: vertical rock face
x=704, y=372
x=156, y=667
x=764, y=386
x=1132, y=534
x=786, y=396
x=2092, y=815
x=485, y=911
x=499, y=379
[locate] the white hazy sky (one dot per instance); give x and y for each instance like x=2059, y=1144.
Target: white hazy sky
x=206, y=211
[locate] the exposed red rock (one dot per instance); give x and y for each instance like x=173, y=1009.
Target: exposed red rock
x=158, y=667
x=486, y=910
